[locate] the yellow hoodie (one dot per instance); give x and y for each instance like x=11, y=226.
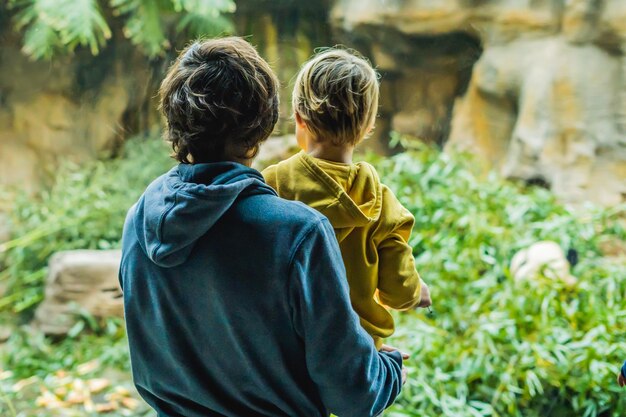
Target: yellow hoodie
x=372, y=228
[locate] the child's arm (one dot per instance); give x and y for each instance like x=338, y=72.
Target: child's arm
x=425, y=300
x=399, y=284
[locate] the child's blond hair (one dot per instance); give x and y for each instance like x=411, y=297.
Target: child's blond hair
x=336, y=94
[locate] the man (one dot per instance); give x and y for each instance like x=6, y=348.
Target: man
x=236, y=301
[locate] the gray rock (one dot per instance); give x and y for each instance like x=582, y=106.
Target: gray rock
x=546, y=109
x=85, y=280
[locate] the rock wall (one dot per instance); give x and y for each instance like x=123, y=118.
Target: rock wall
x=546, y=98
x=67, y=109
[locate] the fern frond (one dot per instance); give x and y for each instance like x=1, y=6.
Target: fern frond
x=41, y=41
x=204, y=17
x=54, y=24
x=195, y=25
x=83, y=24
x=208, y=8
x=143, y=25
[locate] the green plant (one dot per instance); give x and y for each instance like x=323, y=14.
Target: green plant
x=54, y=26
x=29, y=353
x=84, y=209
x=497, y=347
x=81, y=375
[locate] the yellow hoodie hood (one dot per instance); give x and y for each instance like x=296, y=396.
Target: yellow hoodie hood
x=302, y=179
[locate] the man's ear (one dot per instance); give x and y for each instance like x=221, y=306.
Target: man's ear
x=299, y=120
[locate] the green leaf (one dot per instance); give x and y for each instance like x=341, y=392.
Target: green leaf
x=52, y=25
x=207, y=8
x=143, y=25
x=41, y=41
x=76, y=329
x=197, y=25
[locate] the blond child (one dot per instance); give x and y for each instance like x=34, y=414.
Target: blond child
x=335, y=102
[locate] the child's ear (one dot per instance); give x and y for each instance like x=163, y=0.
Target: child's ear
x=370, y=131
x=299, y=120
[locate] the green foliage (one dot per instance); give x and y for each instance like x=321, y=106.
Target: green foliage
x=85, y=208
x=50, y=24
x=53, y=26
x=29, y=353
x=36, y=366
x=497, y=347
x=494, y=347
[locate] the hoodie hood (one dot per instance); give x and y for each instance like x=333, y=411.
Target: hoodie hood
x=181, y=206
x=301, y=178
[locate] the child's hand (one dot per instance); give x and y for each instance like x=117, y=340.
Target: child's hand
x=387, y=348
x=425, y=300
x=620, y=379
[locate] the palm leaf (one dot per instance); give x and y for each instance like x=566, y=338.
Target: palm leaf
x=204, y=17
x=208, y=8
x=143, y=25
x=52, y=24
x=41, y=41
x=197, y=25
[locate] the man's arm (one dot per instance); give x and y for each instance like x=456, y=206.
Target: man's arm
x=354, y=379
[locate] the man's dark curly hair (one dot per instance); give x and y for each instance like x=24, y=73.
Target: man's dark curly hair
x=220, y=99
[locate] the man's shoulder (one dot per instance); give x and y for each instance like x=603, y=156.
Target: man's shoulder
x=284, y=223
x=290, y=212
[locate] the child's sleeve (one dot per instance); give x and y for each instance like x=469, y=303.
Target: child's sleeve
x=399, y=284
x=269, y=174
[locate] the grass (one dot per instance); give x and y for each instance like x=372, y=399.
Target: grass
x=494, y=347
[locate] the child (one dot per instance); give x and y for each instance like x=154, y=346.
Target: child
x=335, y=101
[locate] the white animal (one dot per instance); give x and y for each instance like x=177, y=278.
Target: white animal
x=546, y=258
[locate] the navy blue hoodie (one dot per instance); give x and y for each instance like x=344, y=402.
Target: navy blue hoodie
x=236, y=304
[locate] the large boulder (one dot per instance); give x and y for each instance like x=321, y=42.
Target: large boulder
x=545, y=109
x=80, y=281
x=536, y=89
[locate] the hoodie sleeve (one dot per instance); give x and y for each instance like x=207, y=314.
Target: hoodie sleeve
x=354, y=379
x=399, y=284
